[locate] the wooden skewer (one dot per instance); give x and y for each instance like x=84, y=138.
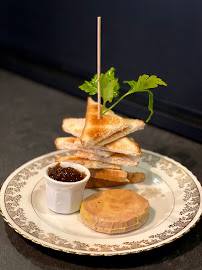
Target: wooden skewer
x=98, y=63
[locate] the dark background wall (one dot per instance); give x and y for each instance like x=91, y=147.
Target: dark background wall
x=54, y=42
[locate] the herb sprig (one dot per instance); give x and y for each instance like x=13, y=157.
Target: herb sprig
x=109, y=87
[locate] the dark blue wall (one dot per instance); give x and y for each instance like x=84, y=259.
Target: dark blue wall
x=153, y=37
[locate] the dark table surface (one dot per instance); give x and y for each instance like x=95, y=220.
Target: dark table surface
x=31, y=115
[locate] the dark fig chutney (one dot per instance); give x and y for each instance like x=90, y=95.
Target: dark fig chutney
x=65, y=174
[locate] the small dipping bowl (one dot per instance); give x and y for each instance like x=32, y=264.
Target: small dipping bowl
x=65, y=197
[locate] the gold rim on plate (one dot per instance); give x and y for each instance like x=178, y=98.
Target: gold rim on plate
x=177, y=178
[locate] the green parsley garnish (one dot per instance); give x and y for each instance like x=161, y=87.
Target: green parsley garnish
x=109, y=88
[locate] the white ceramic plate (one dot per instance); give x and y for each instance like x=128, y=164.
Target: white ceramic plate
x=173, y=192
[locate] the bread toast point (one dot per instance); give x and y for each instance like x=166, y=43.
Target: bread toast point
x=73, y=126
x=133, y=125
x=102, y=183
x=119, y=159
x=90, y=164
x=96, y=130
x=109, y=174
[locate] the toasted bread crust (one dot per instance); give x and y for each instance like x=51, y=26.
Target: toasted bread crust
x=100, y=183
x=96, y=129
x=88, y=163
x=66, y=143
x=103, y=181
x=116, y=158
x=71, y=143
x=73, y=126
x=123, y=145
x=133, y=125
x=136, y=177
x=109, y=174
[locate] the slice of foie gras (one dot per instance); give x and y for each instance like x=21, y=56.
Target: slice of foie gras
x=114, y=211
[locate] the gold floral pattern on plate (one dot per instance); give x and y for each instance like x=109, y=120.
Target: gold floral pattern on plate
x=18, y=187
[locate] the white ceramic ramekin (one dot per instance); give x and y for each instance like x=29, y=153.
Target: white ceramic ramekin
x=65, y=197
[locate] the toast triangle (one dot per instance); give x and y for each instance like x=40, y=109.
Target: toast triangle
x=133, y=125
x=96, y=130
x=73, y=126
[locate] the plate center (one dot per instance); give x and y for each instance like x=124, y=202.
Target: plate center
x=154, y=189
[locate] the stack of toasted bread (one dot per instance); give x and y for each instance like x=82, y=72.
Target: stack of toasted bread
x=102, y=147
